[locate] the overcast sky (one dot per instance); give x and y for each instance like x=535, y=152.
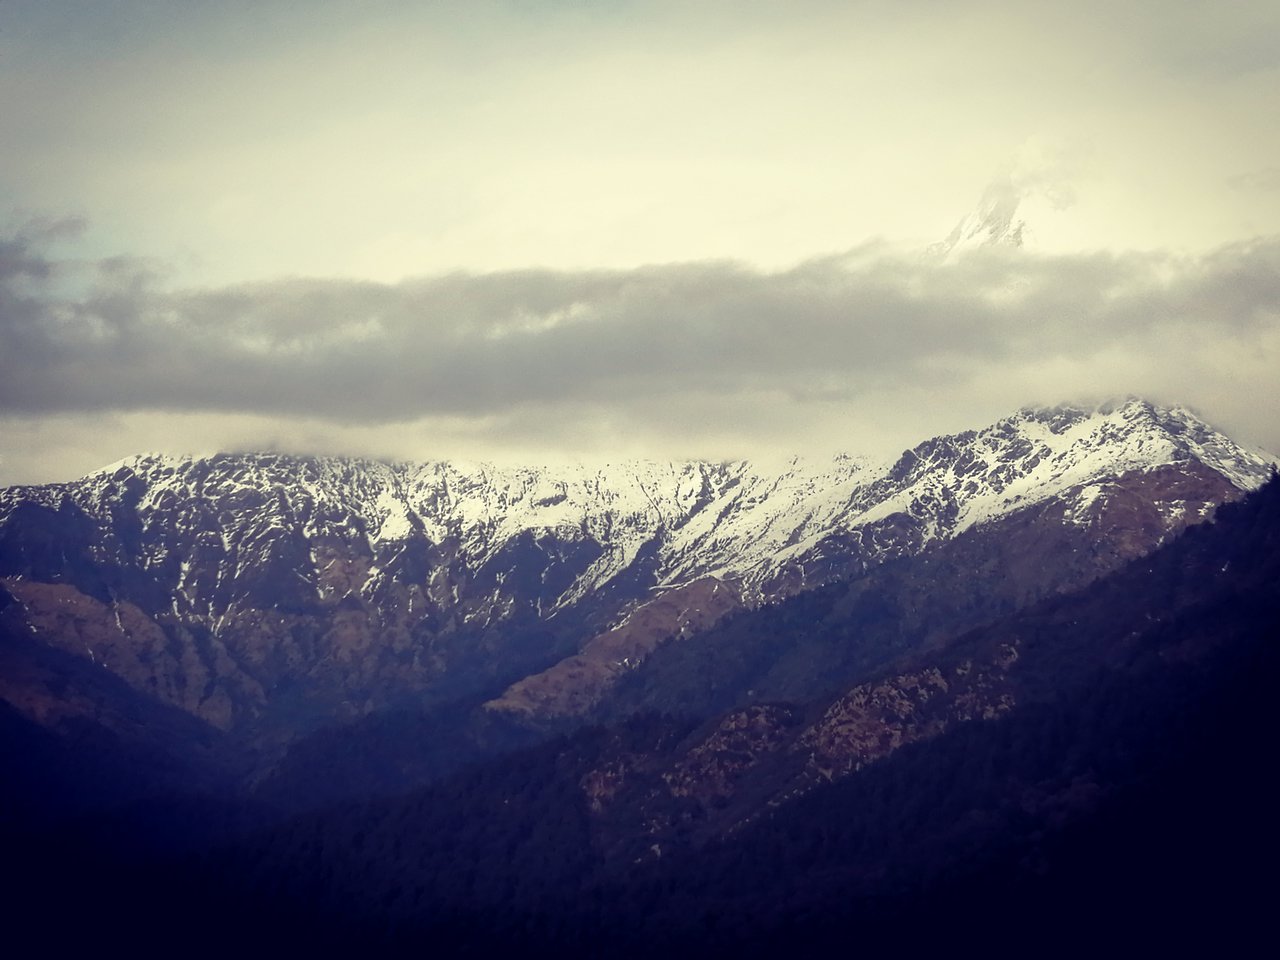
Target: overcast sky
x=534, y=229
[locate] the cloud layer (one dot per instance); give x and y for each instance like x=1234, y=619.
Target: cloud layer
x=229, y=149
x=837, y=336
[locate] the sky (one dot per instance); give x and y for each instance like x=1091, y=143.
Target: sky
x=534, y=230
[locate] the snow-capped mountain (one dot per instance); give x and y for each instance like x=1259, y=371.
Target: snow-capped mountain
x=220, y=583
x=995, y=222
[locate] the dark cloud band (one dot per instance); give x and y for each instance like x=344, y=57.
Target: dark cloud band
x=109, y=335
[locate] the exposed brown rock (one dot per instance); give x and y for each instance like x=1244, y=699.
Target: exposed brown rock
x=873, y=720
x=709, y=771
x=602, y=784
x=120, y=638
x=576, y=684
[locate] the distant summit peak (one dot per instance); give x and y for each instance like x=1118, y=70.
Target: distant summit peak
x=993, y=223
x=1023, y=205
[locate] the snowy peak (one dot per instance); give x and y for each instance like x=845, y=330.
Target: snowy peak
x=1043, y=453
x=1143, y=435
x=993, y=223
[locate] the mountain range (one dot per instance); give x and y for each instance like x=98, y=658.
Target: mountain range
x=673, y=655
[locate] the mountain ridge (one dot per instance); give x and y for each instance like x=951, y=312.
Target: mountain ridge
x=227, y=584
x=1023, y=637
x=783, y=514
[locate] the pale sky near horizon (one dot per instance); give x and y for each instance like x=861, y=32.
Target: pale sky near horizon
x=546, y=229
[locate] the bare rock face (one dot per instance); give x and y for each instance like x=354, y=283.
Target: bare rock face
x=262, y=592
x=710, y=770
x=122, y=639
x=873, y=720
x=576, y=684
x=755, y=758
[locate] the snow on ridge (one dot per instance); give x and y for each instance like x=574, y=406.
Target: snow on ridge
x=766, y=515
x=737, y=519
x=1073, y=447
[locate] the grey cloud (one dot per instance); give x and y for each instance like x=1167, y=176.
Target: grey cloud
x=483, y=345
